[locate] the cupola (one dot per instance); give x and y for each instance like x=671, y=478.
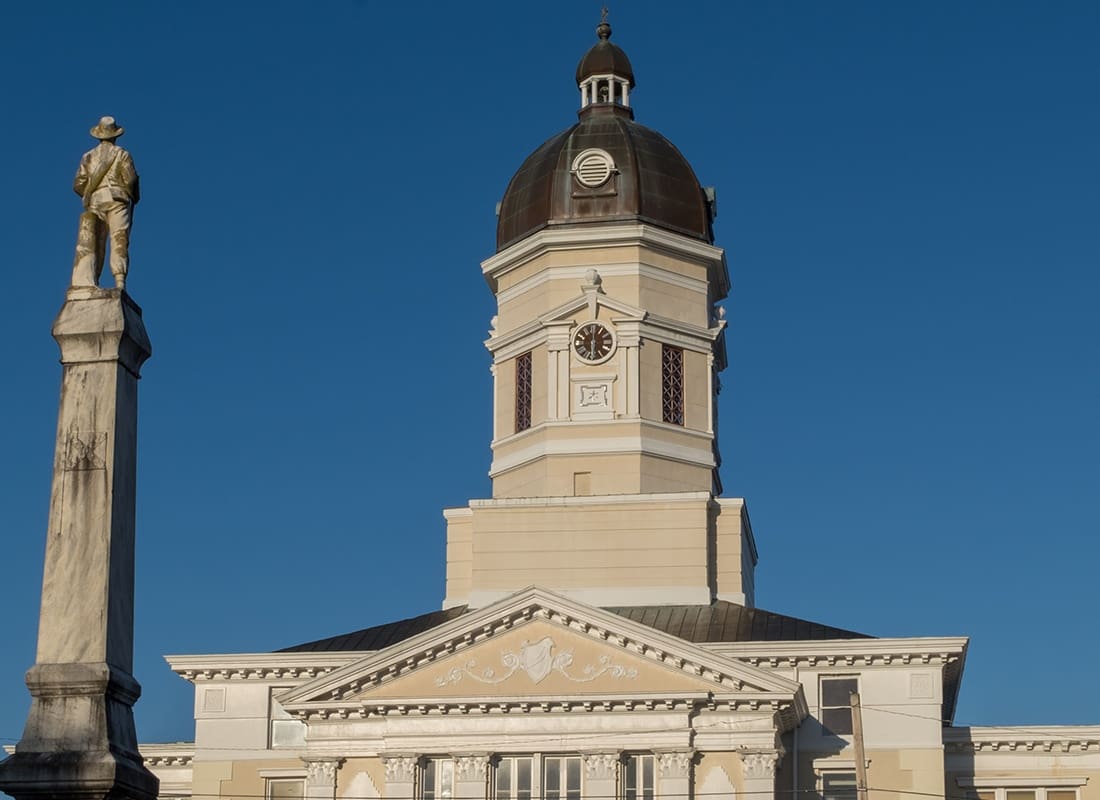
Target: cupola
x=604, y=74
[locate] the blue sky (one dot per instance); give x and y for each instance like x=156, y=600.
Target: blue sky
x=908, y=195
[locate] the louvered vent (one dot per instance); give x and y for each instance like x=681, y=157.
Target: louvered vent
x=593, y=167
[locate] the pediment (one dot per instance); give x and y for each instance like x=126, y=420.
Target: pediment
x=536, y=647
x=590, y=301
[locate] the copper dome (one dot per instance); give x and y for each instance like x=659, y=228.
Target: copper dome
x=605, y=58
x=638, y=173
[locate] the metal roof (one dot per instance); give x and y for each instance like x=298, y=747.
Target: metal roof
x=721, y=621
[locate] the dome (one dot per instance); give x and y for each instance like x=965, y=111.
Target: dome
x=607, y=167
x=605, y=58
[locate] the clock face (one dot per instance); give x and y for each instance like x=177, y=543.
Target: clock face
x=593, y=342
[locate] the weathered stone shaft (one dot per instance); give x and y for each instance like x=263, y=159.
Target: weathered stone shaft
x=79, y=739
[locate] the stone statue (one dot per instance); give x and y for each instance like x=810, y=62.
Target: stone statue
x=108, y=184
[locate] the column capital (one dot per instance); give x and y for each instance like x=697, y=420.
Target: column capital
x=676, y=764
x=602, y=765
x=760, y=764
x=400, y=768
x=472, y=766
x=321, y=771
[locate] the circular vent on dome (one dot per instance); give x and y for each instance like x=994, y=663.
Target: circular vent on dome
x=593, y=167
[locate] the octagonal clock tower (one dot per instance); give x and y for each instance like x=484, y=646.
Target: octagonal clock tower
x=606, y=349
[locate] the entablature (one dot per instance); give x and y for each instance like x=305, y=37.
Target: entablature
x=259, y=666
x=1024, y=739
x=605, y=236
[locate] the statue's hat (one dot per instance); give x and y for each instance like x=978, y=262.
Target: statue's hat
x=107, y=129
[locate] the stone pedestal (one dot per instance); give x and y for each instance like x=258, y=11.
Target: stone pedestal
x=79, y=740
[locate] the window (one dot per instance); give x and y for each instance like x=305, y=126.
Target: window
x=523, y=392
x=672, y=384
x=561, y=778
x=286, y=789
x=987, y=790
x=285, y=730
x=638, y=778
x=513, y=779
x=838, y=785
x=836, y=704
x=437, y=779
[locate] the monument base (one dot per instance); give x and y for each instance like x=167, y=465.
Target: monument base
x=79, y=742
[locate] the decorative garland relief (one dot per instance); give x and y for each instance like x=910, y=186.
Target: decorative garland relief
x=538, y=660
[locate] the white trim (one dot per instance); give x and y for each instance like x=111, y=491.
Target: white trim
x=602, y=445
x=611, y=499
x=270, y=667
x=282, y=773
x=578, y=273
x=841, y=650
x=577, y=237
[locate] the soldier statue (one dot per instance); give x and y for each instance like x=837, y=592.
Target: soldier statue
x=108, y=184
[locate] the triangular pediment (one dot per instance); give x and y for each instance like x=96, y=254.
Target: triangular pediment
x=538, y=647
x=590, y=300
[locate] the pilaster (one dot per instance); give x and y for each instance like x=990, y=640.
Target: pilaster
x=400, y=776
x=321, y=777
x=471, y=776
x=674, y=774
x=759, y=770
x=601, y=774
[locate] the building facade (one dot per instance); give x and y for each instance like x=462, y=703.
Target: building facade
x=599, y=636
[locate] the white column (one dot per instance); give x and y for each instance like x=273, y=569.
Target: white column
x=633, y=382
x=400, y=776
x=321, y=777
x=601, y=774
x=760, y=773
x=674, y=774
x=552, y=410
x=710, y=393
x=565, y=402
x=471, y=776
x=496, y=395
x=626, y=93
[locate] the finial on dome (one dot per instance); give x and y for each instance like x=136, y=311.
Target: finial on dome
x=603, y=30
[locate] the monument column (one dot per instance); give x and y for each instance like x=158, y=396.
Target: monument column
x=79, y=740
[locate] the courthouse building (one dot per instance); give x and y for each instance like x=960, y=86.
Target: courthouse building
x=599, y=636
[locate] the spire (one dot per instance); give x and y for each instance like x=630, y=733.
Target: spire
x=604, y=74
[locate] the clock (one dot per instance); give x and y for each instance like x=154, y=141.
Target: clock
x=593, y=342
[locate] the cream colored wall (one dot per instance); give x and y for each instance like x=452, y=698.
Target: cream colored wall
x=667, y=286
x=734, y=565
x=245, y=780
x=620, y=269
x=652, y=546
x=728, y=765
x=361, y=779
x=592, y=445
x=460, y=554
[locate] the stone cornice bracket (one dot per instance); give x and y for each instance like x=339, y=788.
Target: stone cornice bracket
x=472, y=767
x=601, y=766
x=400, y=768
x=760, y=764
x=321, y=771
x=676, y=764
